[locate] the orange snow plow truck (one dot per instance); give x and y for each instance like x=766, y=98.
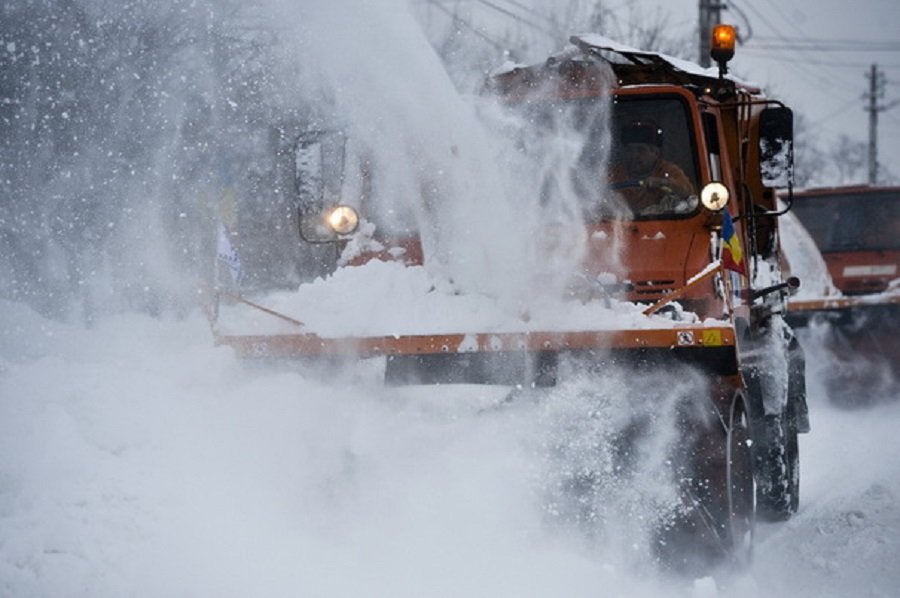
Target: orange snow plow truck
x=695, y=273
x=856, y=230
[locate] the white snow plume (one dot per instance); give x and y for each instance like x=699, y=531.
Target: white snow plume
x=472, y=194
x=610, y=443
x=116, y=217
x=165, y=467
x=851, y=351
x=554, y=154
x=850, y=356
x=804, y=259
x=138, y=460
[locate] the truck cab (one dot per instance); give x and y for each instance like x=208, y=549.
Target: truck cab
x=857, y=230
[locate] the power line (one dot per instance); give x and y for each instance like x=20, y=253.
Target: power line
x=801, y=60
x=789, y=45
x=458, y=19
x=829, y=40
x=516, y=17
x=835, y=112
x=765, y=20
x=749, y=35
x=832, y=63
x=493, y=6
x=805, y=45
x=762, y=18
x=786, y=18
x=528, y=9
x=815, y=77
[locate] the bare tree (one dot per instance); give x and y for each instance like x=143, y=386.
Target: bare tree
x=848, y=159
x=810, y=162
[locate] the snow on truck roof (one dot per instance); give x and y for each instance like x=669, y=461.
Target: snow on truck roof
x=600, y=42
x=616, y=53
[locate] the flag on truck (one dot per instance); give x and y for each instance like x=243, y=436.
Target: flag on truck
x=227, y=255
x=732, y=255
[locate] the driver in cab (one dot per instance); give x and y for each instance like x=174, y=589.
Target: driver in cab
x=648, y=183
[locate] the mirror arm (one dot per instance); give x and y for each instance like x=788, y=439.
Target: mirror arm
x=791, y=284
x=789, y=202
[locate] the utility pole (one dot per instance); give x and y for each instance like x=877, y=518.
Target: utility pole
x=876, y=92
x=710, y=15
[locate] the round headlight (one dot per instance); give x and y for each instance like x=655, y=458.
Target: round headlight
x=714, y=196
x=342, y=219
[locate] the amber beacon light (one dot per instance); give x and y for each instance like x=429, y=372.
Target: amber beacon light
x=722, y=47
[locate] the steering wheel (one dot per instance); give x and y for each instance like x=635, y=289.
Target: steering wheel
x=669, y=202
x=629, y=184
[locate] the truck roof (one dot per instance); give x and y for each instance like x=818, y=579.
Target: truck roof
x=582, y=61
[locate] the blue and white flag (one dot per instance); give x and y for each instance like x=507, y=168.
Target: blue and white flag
x=226, y=253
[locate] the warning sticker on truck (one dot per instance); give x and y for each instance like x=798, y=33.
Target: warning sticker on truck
x=685, y=337
x=712, y=338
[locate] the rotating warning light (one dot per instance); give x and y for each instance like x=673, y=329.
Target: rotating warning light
x=724, y=38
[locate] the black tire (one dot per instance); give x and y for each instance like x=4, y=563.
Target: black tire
x=792, y=452
x=741, y=486
x=777, y=464
x=776, y=456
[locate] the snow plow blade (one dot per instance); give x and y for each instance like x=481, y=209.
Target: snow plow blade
x=501, y=357
x=862, y=335
x=801, y=311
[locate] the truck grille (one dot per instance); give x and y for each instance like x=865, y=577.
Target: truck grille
x=653, y=288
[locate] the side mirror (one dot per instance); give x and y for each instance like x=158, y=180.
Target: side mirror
x=776, y=146
x=318, y=182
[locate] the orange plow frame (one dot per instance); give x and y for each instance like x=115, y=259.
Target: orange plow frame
x=311, y=345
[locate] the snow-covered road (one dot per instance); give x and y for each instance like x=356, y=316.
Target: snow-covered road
x=138, y=460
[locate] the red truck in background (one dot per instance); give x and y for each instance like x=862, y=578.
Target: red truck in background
x=857, y=231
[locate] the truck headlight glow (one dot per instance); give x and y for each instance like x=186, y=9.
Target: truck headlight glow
x=343, y=220
x=714, y=196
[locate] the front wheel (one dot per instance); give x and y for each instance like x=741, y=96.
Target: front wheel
x=719, y=491
x=777, y=457
x=740, y=485
x=776, y=453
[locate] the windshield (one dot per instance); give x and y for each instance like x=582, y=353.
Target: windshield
x=637, y=156
x=864, y=221
x=652, y=165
